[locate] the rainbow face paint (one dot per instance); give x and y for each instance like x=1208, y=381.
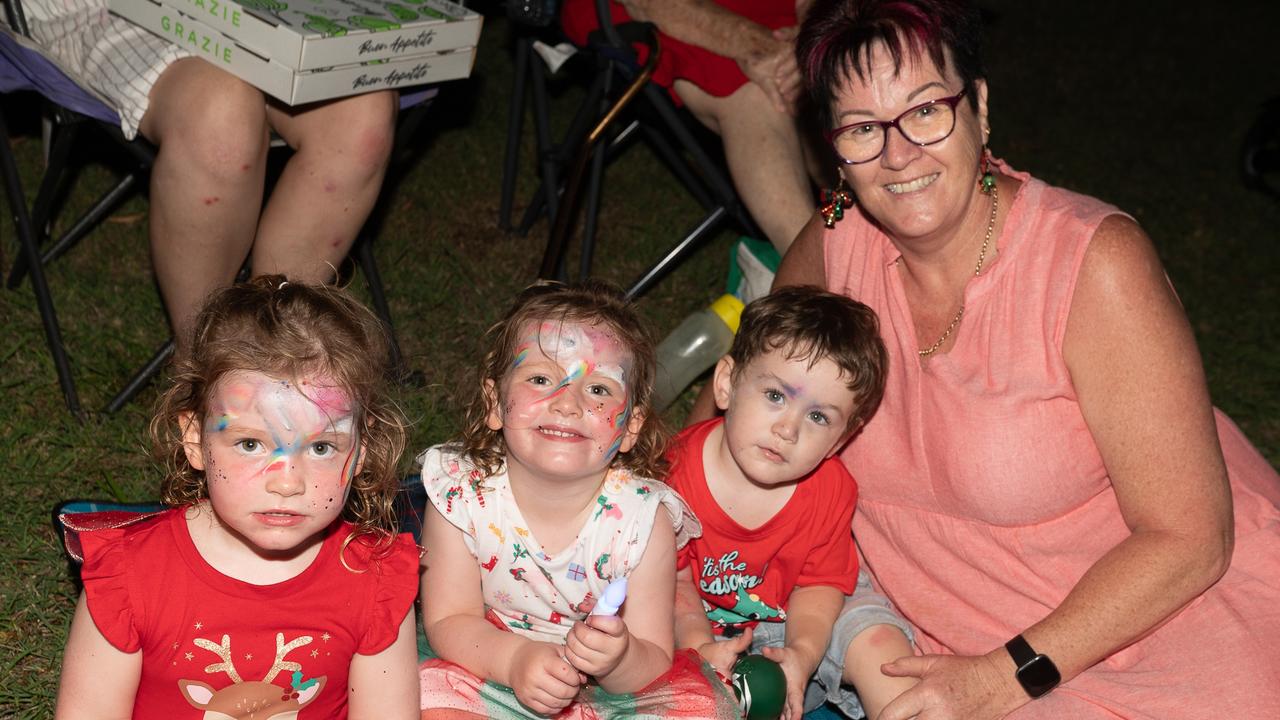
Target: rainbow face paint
x=279, y=457
x=565, y=404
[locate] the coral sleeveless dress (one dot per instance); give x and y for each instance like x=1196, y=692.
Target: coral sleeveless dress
x=984, y=499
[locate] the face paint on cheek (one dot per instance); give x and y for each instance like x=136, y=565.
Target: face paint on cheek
x=619, y=424
x=349, y=469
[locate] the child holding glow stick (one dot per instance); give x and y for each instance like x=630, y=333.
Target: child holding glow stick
x=275, y=584
x=545, y=501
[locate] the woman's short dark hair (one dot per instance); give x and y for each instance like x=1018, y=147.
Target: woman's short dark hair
x=837, y=38
x=806, y=322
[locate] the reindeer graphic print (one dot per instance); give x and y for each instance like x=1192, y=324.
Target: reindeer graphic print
x=254, y=700
x=215, y=647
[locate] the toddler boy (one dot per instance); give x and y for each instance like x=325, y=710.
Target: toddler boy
x=775, y=570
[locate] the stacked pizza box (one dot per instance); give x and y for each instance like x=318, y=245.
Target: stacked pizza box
x=301, y=51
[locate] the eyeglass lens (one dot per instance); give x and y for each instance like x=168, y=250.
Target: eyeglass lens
x=922, y=125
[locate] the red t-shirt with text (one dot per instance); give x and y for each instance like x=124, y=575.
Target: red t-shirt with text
x=746, y=575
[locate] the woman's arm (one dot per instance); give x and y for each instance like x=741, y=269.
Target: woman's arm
x=1141, y=389
x=385, y=685
x=98, y=680
x=805, y=262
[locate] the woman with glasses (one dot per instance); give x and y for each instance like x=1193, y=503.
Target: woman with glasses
x=1046, y=492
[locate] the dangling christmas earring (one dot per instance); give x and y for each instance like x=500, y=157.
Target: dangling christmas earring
x=834, y=202
x=988, y=180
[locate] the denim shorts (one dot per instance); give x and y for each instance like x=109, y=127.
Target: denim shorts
x=863, y=609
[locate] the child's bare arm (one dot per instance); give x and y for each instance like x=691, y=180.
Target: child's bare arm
x=98, y=680
x=385, y=685
x=811, y=613
x=868, y=650
x=453, y=618
x=693, y=629
x=642, y=637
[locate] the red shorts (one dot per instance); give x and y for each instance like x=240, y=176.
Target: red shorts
x=717, y=75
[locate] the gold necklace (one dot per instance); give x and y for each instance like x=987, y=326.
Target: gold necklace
x=977, y=270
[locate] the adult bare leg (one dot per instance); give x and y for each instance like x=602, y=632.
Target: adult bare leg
x=206, y=186
x=764, y=153
x=329, y=185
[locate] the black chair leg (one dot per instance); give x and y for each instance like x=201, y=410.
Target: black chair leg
x=515, y=126
x=373, y=278
x=678, y=252
x=144, y=375
x=31, y=254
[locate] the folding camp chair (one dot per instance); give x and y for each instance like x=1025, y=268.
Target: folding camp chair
x=621, y=105
x=71, y=109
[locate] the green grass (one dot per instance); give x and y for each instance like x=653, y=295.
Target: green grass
x=1090, y=95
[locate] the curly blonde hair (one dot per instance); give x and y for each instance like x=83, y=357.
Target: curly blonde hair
x=593, y=303
x=286, y=330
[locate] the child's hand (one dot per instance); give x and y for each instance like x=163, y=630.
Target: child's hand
x=723, y=654
x=541, y=678
x=797, y=668
x=596, y=646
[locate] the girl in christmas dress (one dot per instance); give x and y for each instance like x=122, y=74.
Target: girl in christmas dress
x=547, y=498
x=275, y=585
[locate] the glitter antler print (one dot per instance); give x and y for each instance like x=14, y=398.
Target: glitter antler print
x=255, y=699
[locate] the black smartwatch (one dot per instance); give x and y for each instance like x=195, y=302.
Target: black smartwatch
x=1036, y=673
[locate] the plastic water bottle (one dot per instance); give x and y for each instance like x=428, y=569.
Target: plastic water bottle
x=693, y=347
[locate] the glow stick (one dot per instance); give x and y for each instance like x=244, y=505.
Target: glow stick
x=611, y=598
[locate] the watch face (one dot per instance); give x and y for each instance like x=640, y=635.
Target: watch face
x=1039, y=676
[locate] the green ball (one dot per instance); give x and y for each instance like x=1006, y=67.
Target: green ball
x=761, y=687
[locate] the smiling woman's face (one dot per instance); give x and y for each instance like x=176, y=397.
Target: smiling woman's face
x=915, y=193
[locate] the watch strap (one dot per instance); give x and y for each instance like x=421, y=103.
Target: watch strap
x=1020, y=650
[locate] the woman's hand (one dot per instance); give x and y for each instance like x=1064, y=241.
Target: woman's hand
x=954, y=687
x=542, y=679
x=797, y=667
x=596, y=646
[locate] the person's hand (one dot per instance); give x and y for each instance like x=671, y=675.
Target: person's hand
x=596, y=646
x=798, y=667
x=787, y=75
x=542, y=679
x=723, y=654
x=954, y=688
x=772, y=61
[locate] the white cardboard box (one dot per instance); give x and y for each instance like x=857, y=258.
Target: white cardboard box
x=310, y=34
x=280, y=81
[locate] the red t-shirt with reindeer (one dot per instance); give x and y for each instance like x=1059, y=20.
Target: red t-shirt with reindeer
x=213, y=646
x=746, y=575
